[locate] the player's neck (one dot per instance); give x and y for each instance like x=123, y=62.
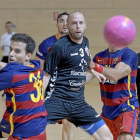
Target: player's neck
x=76, y=41
x=113, y=49
x=9, y=32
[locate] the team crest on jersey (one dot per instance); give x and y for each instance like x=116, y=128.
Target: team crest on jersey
x=115, y=60
x=87, y=50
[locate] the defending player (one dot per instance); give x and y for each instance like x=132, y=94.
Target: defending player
x=121, y=108
x=70, y=54
x=25, y=115
x=67, y=132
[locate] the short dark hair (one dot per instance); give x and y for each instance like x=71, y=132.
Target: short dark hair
x=61, y=14
x=30, y=43
x=8, y=22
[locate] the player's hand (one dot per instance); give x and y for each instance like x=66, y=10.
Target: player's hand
x=91, y=63
x=99, y=76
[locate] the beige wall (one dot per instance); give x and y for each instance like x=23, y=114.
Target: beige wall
x=35, y=17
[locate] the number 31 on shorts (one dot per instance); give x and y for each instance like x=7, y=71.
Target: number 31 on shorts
x=38, y=84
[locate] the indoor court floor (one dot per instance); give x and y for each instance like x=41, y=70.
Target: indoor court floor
x=92, y=96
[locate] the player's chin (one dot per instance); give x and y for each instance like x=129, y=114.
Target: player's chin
x=64, y=32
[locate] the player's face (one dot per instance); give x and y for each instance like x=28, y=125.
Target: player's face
x=9, y=28
x=76, y=26
x=18, y=53
x=62, y=25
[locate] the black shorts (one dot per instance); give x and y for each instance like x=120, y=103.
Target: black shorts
x=79, y=114
x=5, y=59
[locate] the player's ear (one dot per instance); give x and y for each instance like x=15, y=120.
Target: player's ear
x=28, y=56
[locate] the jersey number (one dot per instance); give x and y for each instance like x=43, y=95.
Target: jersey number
x=81, y=52
x=39, y=87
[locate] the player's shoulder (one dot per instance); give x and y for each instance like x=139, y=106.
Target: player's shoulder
x=128, y=51
x=9, y=67
x=63, y=41
x=85, y=41
x=102, y=53
x=34, y=65
x=14, y=65
x=85, y=38
x=49, y=39
x=4, y=35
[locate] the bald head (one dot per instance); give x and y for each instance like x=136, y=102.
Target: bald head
x=75, y=14
x=76, y=26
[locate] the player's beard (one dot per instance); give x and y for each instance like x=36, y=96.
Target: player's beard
x=63, y=32
x=77, y=37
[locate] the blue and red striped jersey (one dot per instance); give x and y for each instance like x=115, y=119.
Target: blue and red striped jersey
x=118, y=96
x=45, y=46
x=25, y=114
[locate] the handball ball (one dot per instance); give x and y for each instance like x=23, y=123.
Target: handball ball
x=119, y=31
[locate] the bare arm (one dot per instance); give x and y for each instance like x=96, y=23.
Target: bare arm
x=92, y=73
x=42, y=61
x=46, y=79
x=118, y=72
x=89, y=75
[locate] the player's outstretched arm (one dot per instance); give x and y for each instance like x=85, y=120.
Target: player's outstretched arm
x=2, y=65
x=46, y=79
x=89, y=75
x=118, y=72
x=92, y=73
